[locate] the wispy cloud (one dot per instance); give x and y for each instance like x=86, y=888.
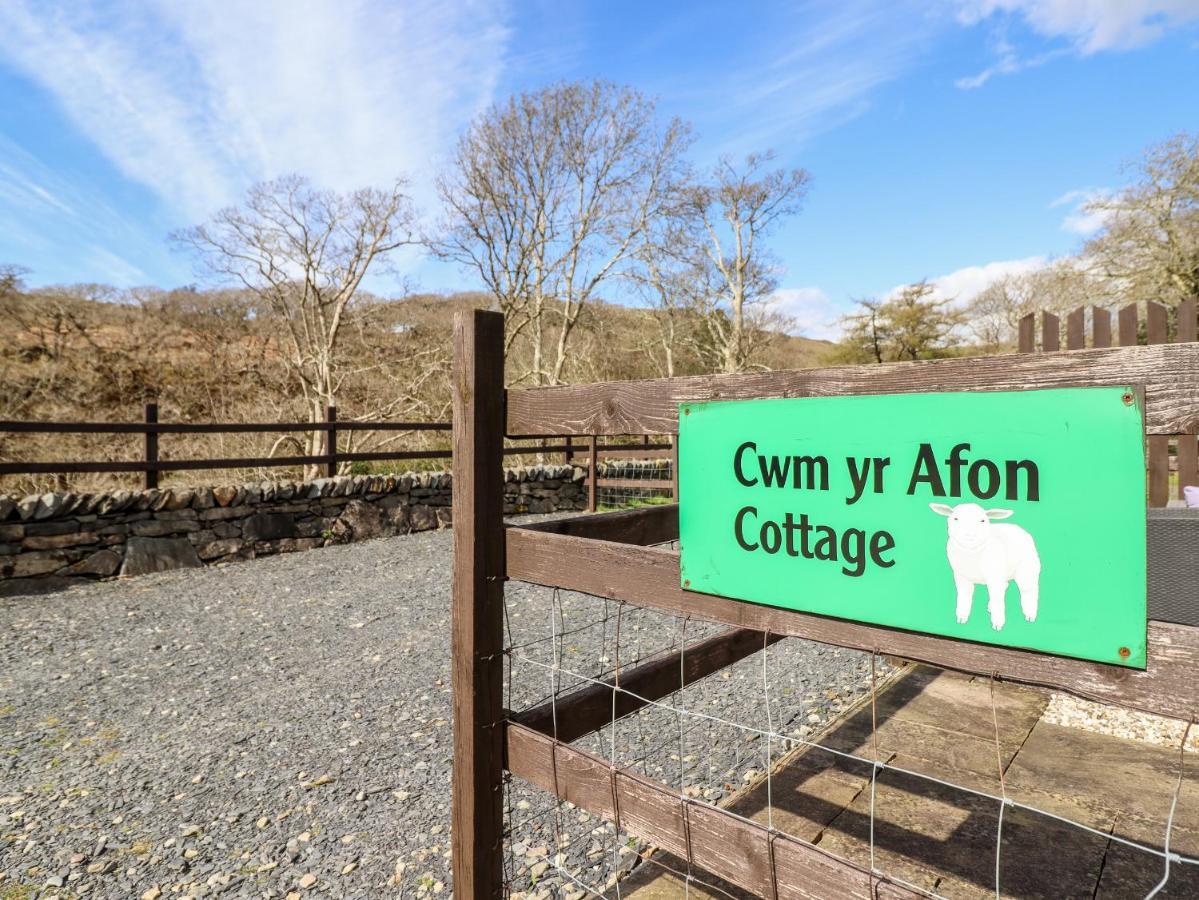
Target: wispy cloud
x=1074, y=27
x=195, y=101
x=964, y=284
x=44, y=212
x=812, y=311
x=1079, y=219
x=814, y=72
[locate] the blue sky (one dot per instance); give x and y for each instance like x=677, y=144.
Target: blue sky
x=951, y=139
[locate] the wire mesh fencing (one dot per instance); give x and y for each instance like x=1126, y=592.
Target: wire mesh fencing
x=625, y=483
x=753, y=739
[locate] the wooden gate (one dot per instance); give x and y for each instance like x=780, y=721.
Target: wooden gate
x=609, y=556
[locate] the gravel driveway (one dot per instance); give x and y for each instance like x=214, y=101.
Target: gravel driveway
x=281, y=728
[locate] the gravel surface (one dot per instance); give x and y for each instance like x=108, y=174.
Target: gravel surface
x=1100, y=718
x=281, y=728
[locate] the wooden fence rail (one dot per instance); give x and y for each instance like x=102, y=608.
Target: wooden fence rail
x=610, y=556
x=152, y=463
x=1165, y=454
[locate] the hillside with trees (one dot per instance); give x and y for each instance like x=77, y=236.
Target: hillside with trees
x=578, y=212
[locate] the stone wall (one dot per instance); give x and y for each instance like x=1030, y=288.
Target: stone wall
x=134, y=532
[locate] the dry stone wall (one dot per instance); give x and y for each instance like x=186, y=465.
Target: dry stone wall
x=135, y=532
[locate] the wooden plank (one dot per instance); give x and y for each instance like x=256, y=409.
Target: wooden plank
x=24, y=427
x=1101, y=327
x=1128, y=325
x=674, y=468
x=650, y=577
x=1169, y=373
x=1076, y=329
x=648, y=525
x=592, y=469
x=725, y=845
x=619, y=451
x=590, y=708
x=151, y=455
x=1186, y=327
x=478, y=600
x=1156, y=323
x=1158, y=461
x=1027, y=338
x=1051, y=333
x=331, y=442
x=1188, y=462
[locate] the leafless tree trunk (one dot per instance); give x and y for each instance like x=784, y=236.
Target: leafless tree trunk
x=303, y=252
x=545, y=200
x=739, y=207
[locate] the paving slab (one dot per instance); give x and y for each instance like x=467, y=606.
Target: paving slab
x=944, y=839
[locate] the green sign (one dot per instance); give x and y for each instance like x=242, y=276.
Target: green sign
x=1014, y=518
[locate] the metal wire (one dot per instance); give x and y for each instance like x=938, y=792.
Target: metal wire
x=699, y=722
x=887, y=767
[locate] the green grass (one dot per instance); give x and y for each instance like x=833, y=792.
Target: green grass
x=635, y=503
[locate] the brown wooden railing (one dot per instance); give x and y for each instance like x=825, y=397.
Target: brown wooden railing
x=152, y=463
x=592, y=452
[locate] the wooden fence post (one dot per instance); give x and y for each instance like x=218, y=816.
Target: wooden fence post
x=1101, y=327
x=1076, y=330
x=592, y=471
x=1157, y=332
x=1186, y=327
x=331, y=441
x=1126, y=321
x=1028, y=340
x=151, y=446
x=1051, y=333
x=674, y=468
x=478, y=583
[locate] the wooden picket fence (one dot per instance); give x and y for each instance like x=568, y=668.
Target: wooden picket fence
x=1165, y=455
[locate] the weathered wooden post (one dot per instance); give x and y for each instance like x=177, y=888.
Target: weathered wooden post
x=592, y=470
x=674, y=467
x=331, y=441
x=1028, y=339
x=151, y=446
x=477, y=645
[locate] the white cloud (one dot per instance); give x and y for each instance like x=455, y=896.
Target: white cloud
x=1086, y=27
x=811, y=74
x=1090, y=25
x=963, y=285
x=814, y=313
x=1080, y=220
x=197, y=100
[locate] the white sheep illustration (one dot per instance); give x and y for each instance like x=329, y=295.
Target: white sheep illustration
x=982, y=553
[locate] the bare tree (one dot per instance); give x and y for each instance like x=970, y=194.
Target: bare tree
x=1150, y=241
x=993, y=316
x=302, y=253
x=670, y=272
x=545, y=199
x=738, y=209
x=12, y=279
